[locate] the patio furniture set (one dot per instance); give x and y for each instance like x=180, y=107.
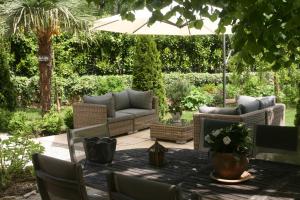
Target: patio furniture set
x=185, y=174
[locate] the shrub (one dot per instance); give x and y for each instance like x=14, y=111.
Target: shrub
x=15, y=154
x=196, y=98
x=297, y=117
x=7, y=90
x=68, y=118
x=19, y=124
x=176, y=93
x=5, y=117
x=147, y=73
x=51, y=123
x=112, y=84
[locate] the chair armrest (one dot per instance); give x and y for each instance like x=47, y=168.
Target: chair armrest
x=85, y=114
x=275, y=115
x=77, y=135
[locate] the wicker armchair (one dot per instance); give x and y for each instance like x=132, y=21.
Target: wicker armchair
x=92, y=114
x=269, y=116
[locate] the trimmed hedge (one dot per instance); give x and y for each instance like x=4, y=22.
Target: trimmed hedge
x=72, y=88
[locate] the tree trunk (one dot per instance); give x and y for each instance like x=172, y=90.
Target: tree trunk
x=45, y=67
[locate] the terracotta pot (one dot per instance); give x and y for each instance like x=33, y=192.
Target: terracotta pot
x=228, y=165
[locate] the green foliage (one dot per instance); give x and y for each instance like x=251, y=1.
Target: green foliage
x=19, y=124
x=232, y=139
x=176, y=92
x=51, y=123
x=196, y=98
x=5, y=117
x=15, y=155
x=112, y=84
x=7, y=90
x=68, y=118
x=260, y=27
x=147, y=74
x=297, y=117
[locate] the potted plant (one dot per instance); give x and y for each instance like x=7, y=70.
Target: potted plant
x=230, y=147
x=176, y=92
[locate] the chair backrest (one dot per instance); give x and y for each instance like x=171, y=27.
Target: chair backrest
x=207, y=126
x=58, y=179
x=277, y=143
x=122, y=187
x=77, y=136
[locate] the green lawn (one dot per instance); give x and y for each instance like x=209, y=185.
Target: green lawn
x=289, y=115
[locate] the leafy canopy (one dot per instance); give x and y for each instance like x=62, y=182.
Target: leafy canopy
x=41, y=16
x=268, y=28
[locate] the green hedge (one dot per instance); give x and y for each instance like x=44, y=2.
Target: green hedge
x=70, y=89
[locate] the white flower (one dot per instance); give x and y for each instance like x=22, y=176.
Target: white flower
x=208, y=139
x=216, y=132
x=226, y=140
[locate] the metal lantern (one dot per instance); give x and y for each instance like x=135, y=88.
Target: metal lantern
x=157, y=154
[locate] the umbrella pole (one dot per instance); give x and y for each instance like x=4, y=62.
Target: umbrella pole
x=224, y=70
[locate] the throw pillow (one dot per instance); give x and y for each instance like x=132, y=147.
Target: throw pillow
x=106, y=100
x=249, y=107
x=222, y=111
x=265, y=102
x=121, y=100
x=245, y=99
x=140, y=99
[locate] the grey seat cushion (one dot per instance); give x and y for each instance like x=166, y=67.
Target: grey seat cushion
x=249, y=107
x=140, y=99
x=106, y=100
x=265, y=102
x=138, y=112
x=121, y=100
x=245, y=99
x=121, y=116
x=223, y=111
x=209, y=125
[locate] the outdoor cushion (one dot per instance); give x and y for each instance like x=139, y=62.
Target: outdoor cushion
x=121, y=100
x=140, y=99
x=249, y=107
x=120, y=116
x=265, y=102
x=209, y=125
x=245, y=99
x=138, y=112
x=106, y=100
x=223, y=111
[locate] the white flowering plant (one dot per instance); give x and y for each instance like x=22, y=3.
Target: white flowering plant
x=231, y=139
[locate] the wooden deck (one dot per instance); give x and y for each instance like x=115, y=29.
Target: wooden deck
x=191, y=170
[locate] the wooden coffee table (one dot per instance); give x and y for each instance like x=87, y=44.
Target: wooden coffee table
x=178, y=132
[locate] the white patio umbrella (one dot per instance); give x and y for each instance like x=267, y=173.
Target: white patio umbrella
x=140, y=27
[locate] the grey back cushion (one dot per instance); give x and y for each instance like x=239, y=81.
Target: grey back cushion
x=212, y=124
x=121, y=100
x=245, y=99
x=222, y=111
x=249, y=107
x=106, y=100
x=140, y=99
x=265, y=102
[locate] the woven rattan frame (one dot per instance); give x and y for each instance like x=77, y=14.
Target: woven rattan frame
x=92, y=114
x=250, y=119
x=179, y=133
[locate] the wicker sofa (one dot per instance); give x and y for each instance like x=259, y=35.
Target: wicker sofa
x=122, y=112
x=272, y=115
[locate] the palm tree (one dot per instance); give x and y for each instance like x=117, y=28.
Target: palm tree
x=46, y=18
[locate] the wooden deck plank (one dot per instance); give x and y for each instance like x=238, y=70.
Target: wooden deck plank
x=191, y=169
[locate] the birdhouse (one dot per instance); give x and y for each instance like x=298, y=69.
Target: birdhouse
x=157, y=154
